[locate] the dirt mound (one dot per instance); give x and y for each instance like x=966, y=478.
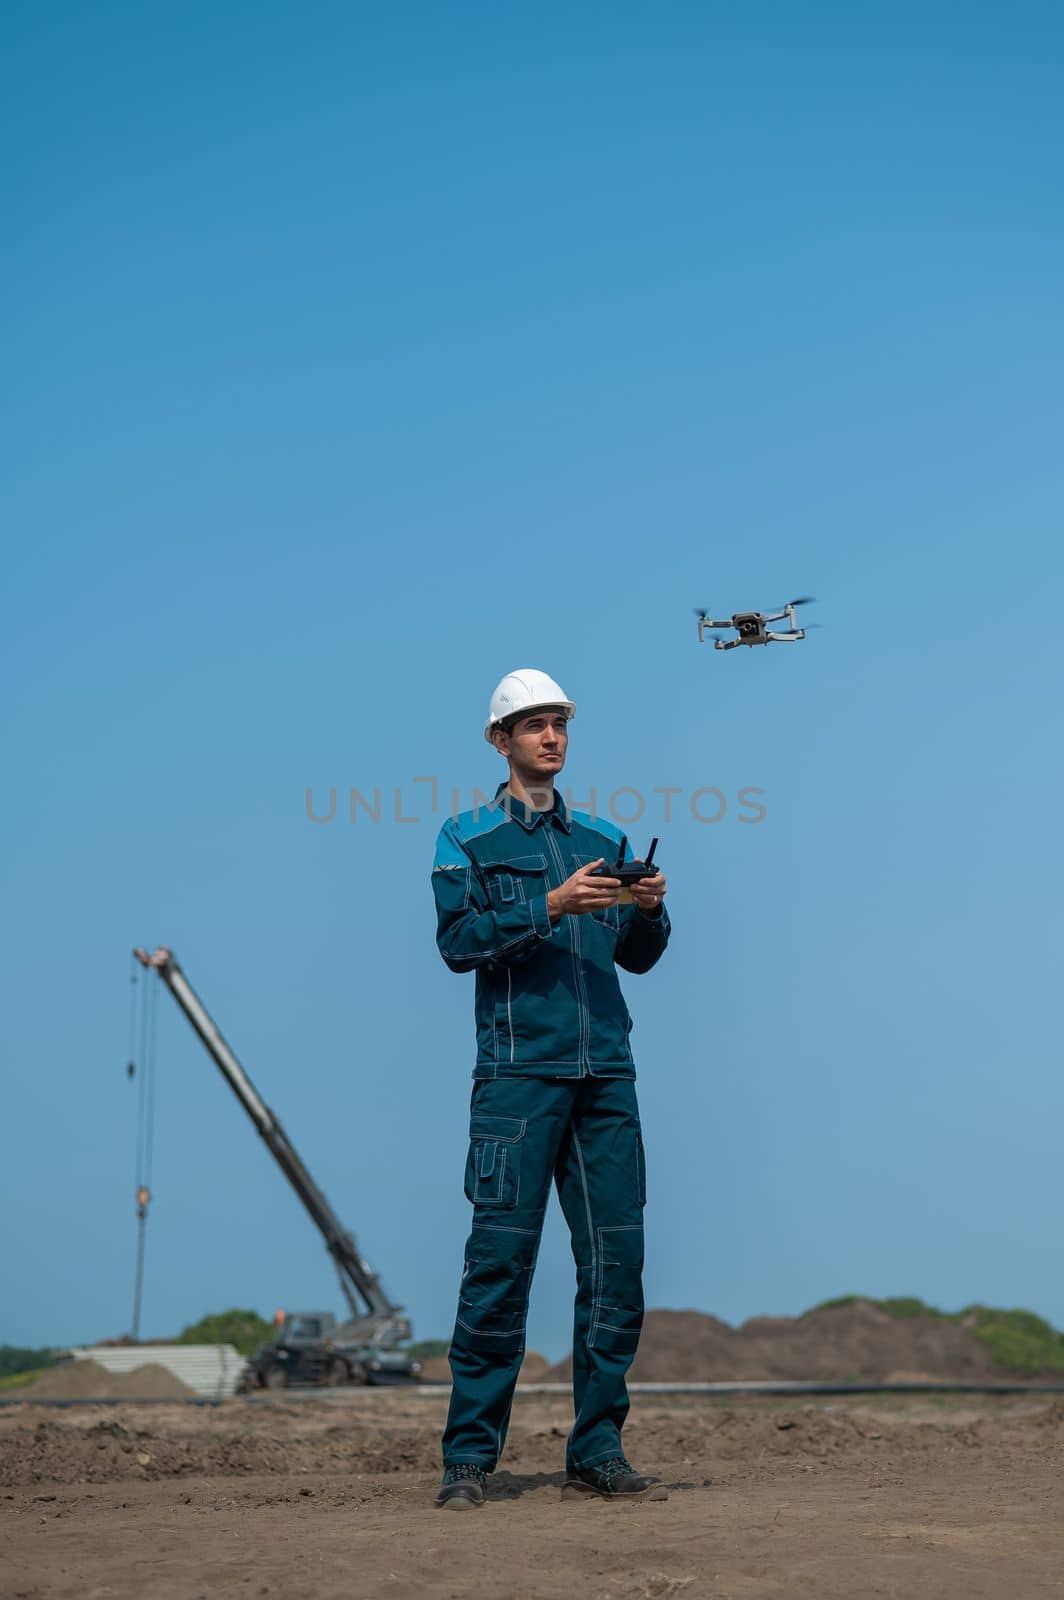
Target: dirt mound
x=110, y=1451
x=87, y=1380
x=859, y=1341
x=152, y=1382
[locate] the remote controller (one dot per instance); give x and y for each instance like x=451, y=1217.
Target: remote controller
x=629, y=872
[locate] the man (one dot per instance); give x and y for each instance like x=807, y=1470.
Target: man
x=553, y=1095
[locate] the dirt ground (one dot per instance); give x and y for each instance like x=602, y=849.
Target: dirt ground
x=331, y=1497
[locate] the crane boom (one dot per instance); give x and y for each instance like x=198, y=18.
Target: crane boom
x=375, y=1320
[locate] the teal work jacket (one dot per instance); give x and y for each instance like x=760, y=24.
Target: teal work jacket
x=548, y=1002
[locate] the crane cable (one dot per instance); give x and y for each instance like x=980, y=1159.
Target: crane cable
x=143, y=1022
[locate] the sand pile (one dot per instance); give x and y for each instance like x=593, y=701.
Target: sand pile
x=858, y=1341
x=87, y=1380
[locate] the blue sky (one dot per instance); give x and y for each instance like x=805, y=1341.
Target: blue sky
x=355, y=355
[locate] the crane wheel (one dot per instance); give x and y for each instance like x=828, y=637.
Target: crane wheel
x=336, y=1374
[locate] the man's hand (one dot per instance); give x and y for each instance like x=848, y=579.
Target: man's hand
x=648, y=894
x=582, y=893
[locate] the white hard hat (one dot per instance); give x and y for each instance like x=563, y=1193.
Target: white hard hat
x=522, y=691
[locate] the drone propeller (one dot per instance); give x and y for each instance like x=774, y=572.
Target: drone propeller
x=701, y=613
x=802, y=600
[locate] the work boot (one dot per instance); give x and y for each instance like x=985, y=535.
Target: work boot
x=615, y=1479
x=462, y=1487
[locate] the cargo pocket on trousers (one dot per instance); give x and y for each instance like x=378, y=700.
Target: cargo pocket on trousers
x=618, y=1311
x=493, y=1167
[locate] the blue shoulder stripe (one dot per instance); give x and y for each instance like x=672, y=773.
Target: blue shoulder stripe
x=449, y=853
x=466, y=825
x=484, y=818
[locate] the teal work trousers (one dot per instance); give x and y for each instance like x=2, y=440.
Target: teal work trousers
x=583, y=1134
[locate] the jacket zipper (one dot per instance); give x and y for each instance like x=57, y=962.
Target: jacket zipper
x=578, y=974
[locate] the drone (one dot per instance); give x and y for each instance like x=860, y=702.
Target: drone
x=753, y=626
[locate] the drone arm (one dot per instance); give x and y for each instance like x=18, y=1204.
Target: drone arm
x=726, y=644
x=785, y=638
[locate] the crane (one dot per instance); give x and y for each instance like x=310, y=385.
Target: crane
x=310, y=1346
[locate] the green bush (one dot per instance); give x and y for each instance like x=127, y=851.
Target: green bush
x=244, y=1329
x=907, y=1305
x=833, y=1305
x=1018, y=1341
x=425, y=1348
x=14, y=1360
x=18, y=1380
x=902, y=1305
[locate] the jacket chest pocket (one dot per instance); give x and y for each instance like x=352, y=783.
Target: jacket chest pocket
x=514, y=882
x=493, y=1167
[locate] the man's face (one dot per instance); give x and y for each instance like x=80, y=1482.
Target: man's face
x=536, y=744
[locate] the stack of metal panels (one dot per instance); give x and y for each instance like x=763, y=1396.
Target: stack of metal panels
x=210, y=1370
